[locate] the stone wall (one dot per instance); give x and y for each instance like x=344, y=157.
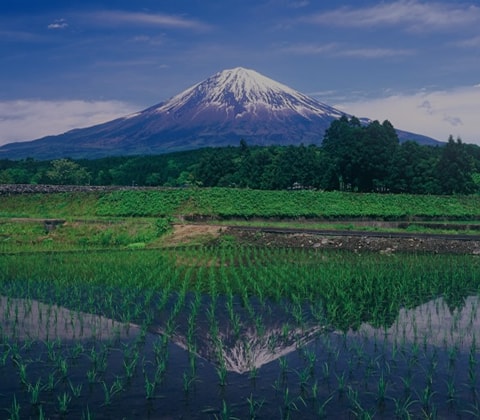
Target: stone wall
x=11, y=189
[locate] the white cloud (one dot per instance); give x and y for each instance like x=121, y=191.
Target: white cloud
x=58, y=24
x=437, y=114
x=412, y=14
x=118, y=17
x=22, y=120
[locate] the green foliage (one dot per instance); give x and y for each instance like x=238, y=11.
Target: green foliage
x=163, y=225
x=245, y=203
x=455, y=169
x=361, y=157
x=67, y=172
x=58, y=205
x=31, y=235
x=240, y=203
x=142, y=203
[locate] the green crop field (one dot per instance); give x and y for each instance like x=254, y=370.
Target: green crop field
x=243, y=203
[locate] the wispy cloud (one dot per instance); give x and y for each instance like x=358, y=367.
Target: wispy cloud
x=468, y=43
x=298, y=4
x=22, y=36
x=309, y=49
x=414, y=15
x=340, y=50
x=150, y=40
x=31, y=119
x=118, y=17
x=433, y=113
x=375, y=52
x=58, y=24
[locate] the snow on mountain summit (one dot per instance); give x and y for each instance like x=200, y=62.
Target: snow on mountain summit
x=241, y=92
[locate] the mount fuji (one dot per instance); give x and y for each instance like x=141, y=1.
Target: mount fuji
x=229, y=106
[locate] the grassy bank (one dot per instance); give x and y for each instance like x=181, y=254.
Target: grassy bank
x=240, y=203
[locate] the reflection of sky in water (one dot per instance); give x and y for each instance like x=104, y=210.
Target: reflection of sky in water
x=31, y=319
x=435, y=321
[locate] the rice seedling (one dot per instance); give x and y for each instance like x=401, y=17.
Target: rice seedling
x=225, y=412
x=321, y=410
x=188, y=382
x=14, y=411
x=34, y=391
x=150, y=387
x=254, y=406
x=63, y=403
x=92, y=376
x=22, y=371
x=109, y=392
x=283, y=362
x=62, y=366
x=222, y=374
x=290, y=404
x=51, y=383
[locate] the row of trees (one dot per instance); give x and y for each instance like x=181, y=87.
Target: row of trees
x=352, y=157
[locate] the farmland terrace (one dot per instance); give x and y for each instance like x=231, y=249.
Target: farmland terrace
x=410, y=233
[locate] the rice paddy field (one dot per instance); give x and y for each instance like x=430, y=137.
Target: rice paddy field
x=101, y=329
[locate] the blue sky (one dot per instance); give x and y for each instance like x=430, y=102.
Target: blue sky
x=68, y=64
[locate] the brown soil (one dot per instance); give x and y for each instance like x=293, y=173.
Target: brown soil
x=386, y=245
x=192, y=234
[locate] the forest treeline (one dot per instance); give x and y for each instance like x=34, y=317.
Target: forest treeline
x=352, y=157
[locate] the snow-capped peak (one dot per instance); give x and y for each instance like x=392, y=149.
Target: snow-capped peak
x=239, y=92
x=246, y=84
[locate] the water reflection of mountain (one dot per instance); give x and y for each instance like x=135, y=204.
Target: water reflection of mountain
x=265, y=332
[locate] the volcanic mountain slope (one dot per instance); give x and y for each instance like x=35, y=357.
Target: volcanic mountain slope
x=220, y=111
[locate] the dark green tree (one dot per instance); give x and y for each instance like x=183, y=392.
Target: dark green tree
x=455, y=169
x=376, y=151
x=360, y=157
x=414, y=169
x=214, y=166
x=341, y=146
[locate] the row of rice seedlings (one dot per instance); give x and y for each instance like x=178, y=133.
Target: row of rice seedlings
x=242, y=284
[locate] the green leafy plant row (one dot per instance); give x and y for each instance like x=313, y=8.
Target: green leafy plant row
x=244, y=203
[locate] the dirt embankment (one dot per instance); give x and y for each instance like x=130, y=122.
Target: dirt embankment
x=359, y=243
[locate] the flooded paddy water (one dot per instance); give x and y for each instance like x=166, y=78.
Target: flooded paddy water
x=198, y=347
